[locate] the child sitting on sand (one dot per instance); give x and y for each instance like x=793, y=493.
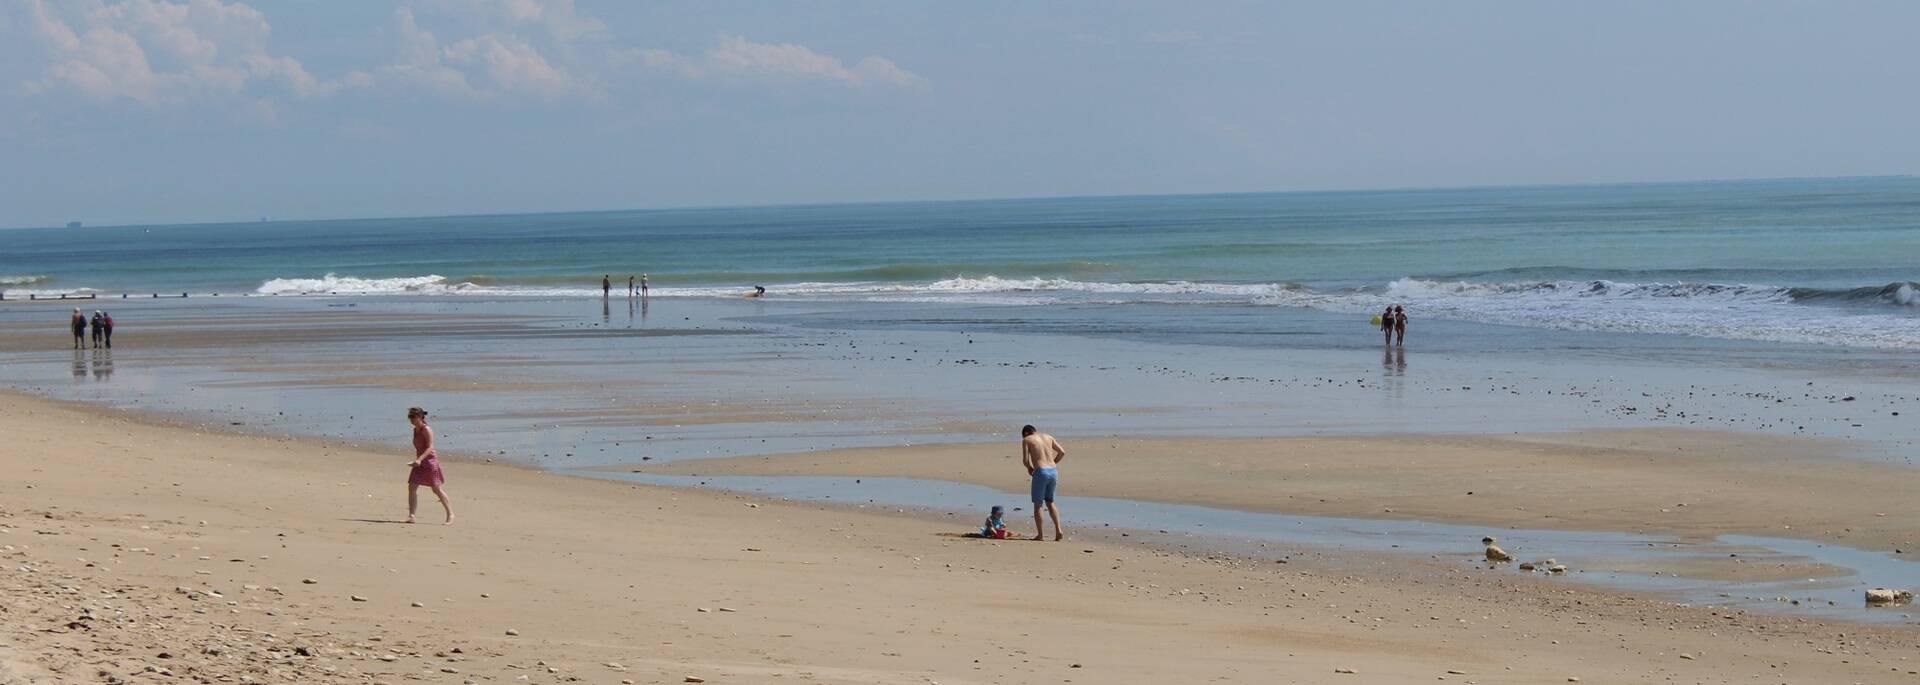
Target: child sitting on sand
x=996, y=527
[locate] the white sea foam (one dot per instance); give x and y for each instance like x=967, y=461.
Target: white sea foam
x=1730, y=311
x=333, y=284
x=1735, y=312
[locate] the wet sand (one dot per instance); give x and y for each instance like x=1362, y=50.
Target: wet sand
x=1687, y=483
x=610, y=378
x=131, y=548
x=321, y=331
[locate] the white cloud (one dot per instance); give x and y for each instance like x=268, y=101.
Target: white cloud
x=152, y=51
x=174, y=52
x=736, y=57
x=488, y=65
x=510, y=65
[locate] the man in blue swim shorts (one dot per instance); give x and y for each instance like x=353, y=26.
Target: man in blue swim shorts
x=1042, y=454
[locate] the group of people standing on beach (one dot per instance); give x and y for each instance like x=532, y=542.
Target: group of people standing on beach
x=640, y=290
x=1393, y=325
x=102, y=324
x=633, y=289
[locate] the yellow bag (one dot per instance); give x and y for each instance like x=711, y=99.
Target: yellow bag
x=1376, y=320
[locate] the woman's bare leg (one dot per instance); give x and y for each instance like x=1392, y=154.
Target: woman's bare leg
x=445, y=503
x=413, y=500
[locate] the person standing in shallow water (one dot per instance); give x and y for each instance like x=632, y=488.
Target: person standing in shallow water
x=1400, y=325
x=1386, y=325
x=79, y=325
x=99, y=327
x=606, y=286
x=1042, y=454
x=426, y=467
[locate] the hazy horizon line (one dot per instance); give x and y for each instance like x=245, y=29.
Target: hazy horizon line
x=1012, y=198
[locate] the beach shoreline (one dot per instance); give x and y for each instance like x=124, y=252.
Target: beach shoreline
x=606, y=581
x=565, y=384
x=527, y=394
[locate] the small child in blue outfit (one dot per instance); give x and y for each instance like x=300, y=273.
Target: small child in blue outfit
x=996, y=527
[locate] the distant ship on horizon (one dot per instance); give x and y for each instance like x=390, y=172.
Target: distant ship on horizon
x=73, y=224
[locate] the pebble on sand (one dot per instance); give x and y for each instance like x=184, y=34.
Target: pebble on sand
x=1882, y=595
x=511, y=631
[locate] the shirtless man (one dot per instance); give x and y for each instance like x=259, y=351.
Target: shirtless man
x=1042, y=454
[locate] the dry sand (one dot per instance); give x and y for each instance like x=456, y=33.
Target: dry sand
x=1688, y=483
x=139, y=552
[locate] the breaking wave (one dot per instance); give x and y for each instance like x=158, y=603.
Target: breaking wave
x=332, y=284
x=1880, y=317
x=1876, y=316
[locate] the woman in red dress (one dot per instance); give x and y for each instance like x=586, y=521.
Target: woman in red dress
x=426, y=466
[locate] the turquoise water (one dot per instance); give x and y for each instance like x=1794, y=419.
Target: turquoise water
x=1825, y=261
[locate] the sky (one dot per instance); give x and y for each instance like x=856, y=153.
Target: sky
x=163, y=111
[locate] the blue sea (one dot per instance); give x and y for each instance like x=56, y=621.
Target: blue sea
x=1829, y=262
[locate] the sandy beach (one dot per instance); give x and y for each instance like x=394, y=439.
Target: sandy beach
x=132, y=554
x=1407, y=344
x=592, y=571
